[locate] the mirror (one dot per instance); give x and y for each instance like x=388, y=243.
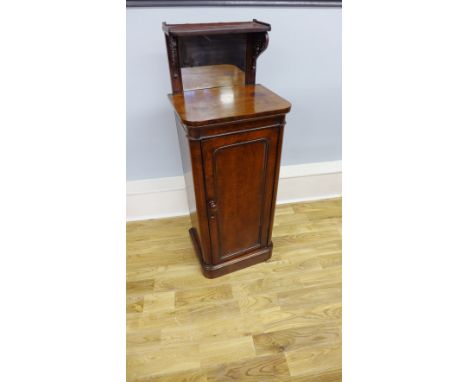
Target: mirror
x=208, y=61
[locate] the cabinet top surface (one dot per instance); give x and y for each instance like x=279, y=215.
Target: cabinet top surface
x=253, y=26
x=228, y=103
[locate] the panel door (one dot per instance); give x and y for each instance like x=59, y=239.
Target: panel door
x=239, y=177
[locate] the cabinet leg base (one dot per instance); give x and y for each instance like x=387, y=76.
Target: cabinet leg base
x=212, y=271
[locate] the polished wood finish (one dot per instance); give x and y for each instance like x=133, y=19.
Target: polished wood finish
x=279, y=320
x=239, y=172
x=204, y=107
x=208, y=29
x=232, y=174
x=230, y=134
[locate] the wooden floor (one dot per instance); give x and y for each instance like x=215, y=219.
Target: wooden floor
x=275, y=321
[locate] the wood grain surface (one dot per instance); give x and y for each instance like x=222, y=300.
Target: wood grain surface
x=275, y=321
x=206, y=29
x=226, y=103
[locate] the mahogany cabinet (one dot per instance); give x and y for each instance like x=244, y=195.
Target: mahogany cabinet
x=230, y=133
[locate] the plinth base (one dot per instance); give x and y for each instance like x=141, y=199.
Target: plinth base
x=244, y=261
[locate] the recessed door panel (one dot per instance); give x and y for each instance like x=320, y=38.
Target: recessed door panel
x=239, y=171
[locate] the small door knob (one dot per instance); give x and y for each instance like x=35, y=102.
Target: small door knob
x=212, y=204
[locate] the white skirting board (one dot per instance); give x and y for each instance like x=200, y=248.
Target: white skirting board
x=165, y=197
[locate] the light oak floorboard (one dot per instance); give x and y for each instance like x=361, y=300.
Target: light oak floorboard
x=275, y=321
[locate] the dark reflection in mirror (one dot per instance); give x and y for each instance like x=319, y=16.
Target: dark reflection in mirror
x=212, y=60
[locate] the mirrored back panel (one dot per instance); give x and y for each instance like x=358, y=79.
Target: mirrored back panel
x=212, y=55
x=212, y=60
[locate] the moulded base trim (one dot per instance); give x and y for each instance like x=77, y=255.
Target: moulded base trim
x=244, y=261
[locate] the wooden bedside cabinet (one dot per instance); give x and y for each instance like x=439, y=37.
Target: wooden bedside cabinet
x=230, y=133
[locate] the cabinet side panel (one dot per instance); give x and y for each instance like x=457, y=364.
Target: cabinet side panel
x=194, y=181
x=188, y=175
x=275, y=178
x=200, y=199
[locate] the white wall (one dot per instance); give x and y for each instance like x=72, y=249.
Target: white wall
x=302, y=64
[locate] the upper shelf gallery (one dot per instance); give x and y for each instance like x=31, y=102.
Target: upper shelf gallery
x=214, y=54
